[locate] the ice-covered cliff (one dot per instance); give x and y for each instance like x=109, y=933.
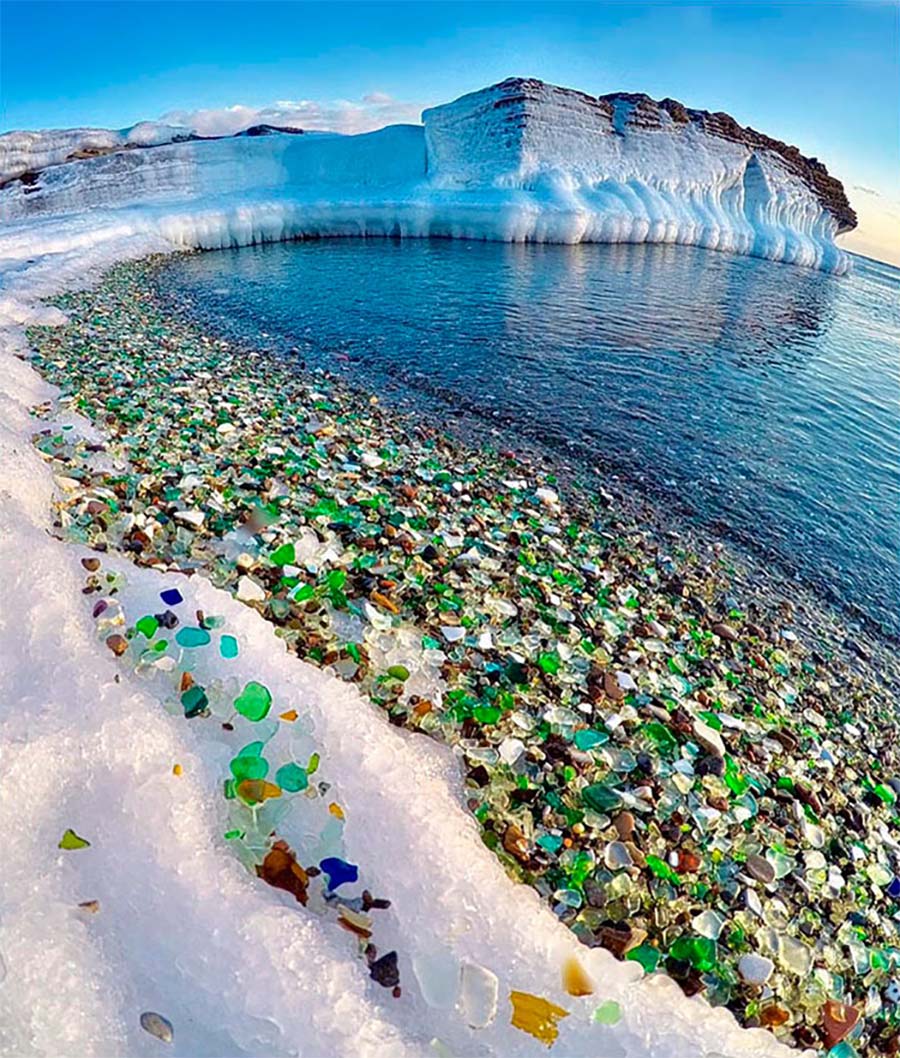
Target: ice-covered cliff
x=519, y=161
x=27, y=153
x=625, y=168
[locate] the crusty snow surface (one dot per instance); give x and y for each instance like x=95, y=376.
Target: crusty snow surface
x=237, y=966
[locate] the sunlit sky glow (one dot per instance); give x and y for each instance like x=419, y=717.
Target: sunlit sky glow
x=822, y=76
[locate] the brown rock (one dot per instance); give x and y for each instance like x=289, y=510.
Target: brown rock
x=637, y=938
x=117, y=644
x=758, y=867
x=724, y=631
x=624, y=824
x=616, y=939
x=837, y=1021
x=808, y=796
x=596, y=894
x=611, y=687
x=785, y=739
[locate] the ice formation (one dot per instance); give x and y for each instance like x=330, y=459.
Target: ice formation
x=520, y=161
x=24, y=153
x=183, y=929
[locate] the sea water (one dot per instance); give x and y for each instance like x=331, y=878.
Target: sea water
x=762, y=398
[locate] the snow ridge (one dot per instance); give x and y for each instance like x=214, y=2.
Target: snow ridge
x=30, y=152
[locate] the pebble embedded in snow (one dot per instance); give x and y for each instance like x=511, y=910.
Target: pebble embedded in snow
x=157, y=1026
x=479, y=989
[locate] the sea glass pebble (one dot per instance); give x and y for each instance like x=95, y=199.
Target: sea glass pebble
x=575, y=979
x=70, y=840
x=536, y=1016
x=608, y=1013
x=438, y=974
x=254, y=701
x=284, y=555
x=157, y=1026
x=147, y=626
x=292, y=777
x=249, y=766
x=339, y=871
x=479, y=990
x=192, y=637
x=194, y=701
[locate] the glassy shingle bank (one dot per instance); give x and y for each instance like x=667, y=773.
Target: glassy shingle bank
x=683, y=780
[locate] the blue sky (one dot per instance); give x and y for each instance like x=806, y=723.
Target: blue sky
x=823, y=76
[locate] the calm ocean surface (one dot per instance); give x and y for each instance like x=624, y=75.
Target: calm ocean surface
x=765, y=398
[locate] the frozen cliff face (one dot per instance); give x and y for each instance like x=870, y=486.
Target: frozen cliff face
x=534, y=128
x=519, y=161
x=216, y=170
x=624, y=168
x=29, y=152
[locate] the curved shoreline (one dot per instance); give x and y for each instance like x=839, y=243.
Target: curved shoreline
x=543, y=683
x=583, y=468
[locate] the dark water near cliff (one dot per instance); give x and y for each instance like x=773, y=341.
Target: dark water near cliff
x=764, y=398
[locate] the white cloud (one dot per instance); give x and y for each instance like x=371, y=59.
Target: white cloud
x=878, y=234
x=373, y=111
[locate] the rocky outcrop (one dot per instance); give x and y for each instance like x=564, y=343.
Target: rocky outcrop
x=268, y=130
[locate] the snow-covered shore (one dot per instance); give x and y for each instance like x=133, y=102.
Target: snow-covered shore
x=235, y=965
x=182, y=928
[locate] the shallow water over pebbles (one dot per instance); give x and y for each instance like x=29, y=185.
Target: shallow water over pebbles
x=760, y=397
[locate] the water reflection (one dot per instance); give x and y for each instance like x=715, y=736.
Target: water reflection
x=649, y=300
x=761, y=396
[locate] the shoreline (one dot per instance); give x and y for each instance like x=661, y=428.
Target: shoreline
x=555, y=667
x=859, y=639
